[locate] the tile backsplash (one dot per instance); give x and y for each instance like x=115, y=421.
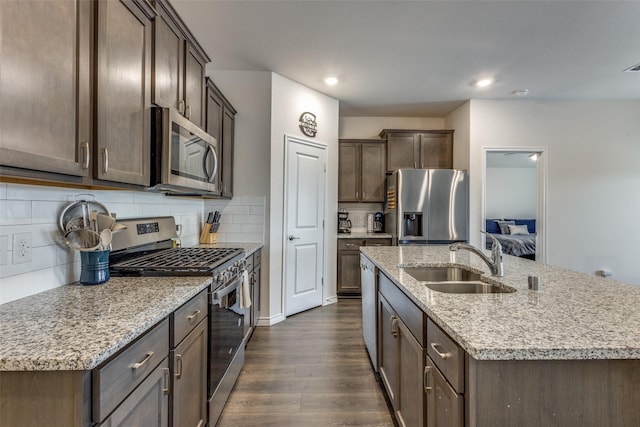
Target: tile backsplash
x=358, y=213
x=35, y=209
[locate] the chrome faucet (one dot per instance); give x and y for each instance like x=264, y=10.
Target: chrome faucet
x=494, y=263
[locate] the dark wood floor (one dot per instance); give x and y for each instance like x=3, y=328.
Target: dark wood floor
x=310, y=370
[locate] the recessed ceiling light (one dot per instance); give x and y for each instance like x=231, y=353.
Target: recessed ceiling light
x=331, y=81
x=521, y=92
x=484, y=82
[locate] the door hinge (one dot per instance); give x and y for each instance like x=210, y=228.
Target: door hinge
x=323, y=223
x=322, y=280
x=325, y=167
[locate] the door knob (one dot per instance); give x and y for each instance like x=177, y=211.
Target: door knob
x=292, y=237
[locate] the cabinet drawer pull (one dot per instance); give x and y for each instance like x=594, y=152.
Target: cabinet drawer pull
x=425, y=379
x=193, y=315
x=178, y=366
x=143, y=361
x=85, y=148
x=105, y=152
x=181, y=106
x=165, y=375
x=200, y=423
x=442, y=355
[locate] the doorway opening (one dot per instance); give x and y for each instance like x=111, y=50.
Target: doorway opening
x=514, y=200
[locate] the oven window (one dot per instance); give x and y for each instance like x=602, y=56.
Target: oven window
x=191, y=156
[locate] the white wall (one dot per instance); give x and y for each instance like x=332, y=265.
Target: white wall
x=34, y=209
x=289, y=100
x=460, y=121
x=511, y=193
x=593, y=175
x=370, y=127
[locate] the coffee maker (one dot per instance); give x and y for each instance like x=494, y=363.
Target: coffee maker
x=344, y=223
x=378, y=222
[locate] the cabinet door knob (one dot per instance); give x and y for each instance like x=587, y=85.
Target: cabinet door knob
x=178, y=366
x=292, y=237
x=165, y=374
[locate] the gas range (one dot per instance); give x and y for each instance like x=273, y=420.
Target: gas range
x=145, y=248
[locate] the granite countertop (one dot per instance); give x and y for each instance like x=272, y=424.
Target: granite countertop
x=76, y=327
x=249, y=247
x=363, y=235
x=573, y=316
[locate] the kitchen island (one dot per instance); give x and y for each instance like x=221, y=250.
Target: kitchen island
x=568, y=354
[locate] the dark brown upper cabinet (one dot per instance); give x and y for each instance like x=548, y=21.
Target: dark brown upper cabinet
x=123, y=92
x=361, y=170
x=45, y=89
x=220, y=123
x=418, y=149
x=178, y=66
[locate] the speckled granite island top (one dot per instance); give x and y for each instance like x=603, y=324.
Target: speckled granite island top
x=76, y=327
x=574, y=316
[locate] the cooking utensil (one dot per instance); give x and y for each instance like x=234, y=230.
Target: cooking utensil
x=74, y=224
x=83, y=239
x=105, y=221
x=82, y=208
x=105, y=238
x=117, y=227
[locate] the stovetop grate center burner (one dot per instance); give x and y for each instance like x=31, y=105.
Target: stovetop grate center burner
x=201, y=259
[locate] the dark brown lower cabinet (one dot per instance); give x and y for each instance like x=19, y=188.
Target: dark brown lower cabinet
x=147, y=406
x=349, y=264
x=401, y=363
x=189, y=382
x=445, y=407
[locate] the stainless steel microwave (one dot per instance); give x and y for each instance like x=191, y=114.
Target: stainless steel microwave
x=184, y=157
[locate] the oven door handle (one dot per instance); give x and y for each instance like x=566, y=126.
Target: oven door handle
x=218, y=295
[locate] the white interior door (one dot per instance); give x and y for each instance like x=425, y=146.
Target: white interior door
x=304, y=229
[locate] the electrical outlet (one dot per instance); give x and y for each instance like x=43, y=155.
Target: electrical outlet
x=21, y=248
x=4, y=248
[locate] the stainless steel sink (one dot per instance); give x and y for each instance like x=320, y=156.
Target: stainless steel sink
x=455, y=280
x=469, y=288
x=442, y=274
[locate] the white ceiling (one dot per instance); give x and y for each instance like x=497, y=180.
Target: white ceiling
x=420, y=58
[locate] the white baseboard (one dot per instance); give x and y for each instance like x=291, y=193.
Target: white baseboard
x=269, y=321
x=331, y=300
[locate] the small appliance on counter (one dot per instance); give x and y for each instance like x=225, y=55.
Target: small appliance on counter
x=344, y=223
x=378, y=222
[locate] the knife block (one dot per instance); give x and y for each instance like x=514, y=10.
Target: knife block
x=206, y=236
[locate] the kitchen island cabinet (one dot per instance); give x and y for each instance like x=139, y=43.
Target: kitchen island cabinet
x=568, y=355
x=93, y=354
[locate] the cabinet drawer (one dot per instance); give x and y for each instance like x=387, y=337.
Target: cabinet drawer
x=188, y=316
x=250, y=262
x=446, y=354
x=349, y=244
x=378, y=242
x=148, y=405
x=412, y=316
x=113, y=381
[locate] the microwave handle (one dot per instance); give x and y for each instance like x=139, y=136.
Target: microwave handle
x=212, y=176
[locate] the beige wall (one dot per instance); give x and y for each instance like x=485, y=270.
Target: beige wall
x=370, y=127
x=593, y=175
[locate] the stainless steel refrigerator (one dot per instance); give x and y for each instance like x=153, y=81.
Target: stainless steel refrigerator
x=427, y=206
